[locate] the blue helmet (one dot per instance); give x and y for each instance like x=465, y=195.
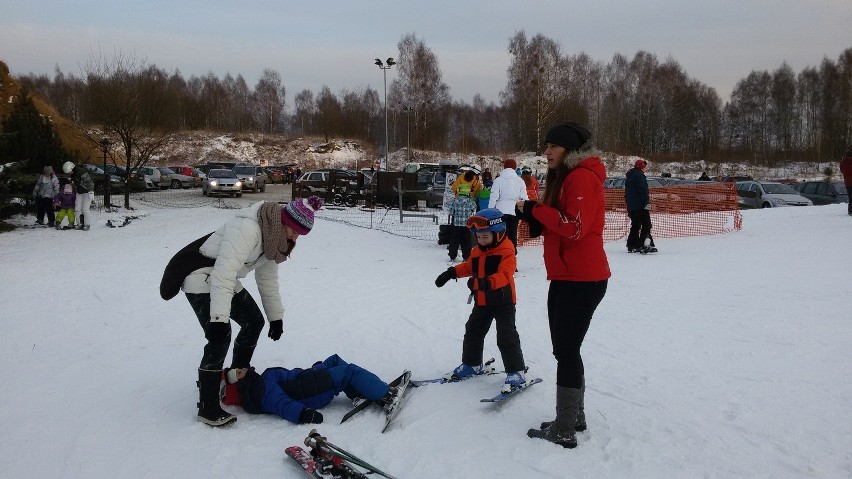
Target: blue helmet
x=489, y=219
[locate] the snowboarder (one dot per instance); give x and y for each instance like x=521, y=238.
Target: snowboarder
x=638, y=209
x=491, y=268
x=209, y=269
x=296, y=394
x=571, y=218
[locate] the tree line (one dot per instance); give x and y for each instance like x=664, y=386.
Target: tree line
x=641, y=105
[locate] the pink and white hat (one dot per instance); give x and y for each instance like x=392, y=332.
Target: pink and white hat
x=299, y=214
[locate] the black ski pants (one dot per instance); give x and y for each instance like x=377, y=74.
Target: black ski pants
x=640, y=228
x=508, y=340
x=45, y=206
x=511, y=222
x=245, y=312
x=459, y=237
x=570, y=306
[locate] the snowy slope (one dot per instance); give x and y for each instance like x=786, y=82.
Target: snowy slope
x=724, y=356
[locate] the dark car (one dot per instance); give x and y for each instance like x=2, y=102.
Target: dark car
x=823, y=192
x=275, y=175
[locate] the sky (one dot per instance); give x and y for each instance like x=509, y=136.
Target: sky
x=693, y=369
x=335, y=42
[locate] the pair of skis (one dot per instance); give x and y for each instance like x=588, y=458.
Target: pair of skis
x=487, y=370
x=325, y=460
x=392, y=409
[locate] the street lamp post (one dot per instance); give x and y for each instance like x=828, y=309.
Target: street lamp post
x=407, y=109
x=385, y=67
x=104, y=147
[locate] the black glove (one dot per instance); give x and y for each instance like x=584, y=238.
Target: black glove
x=217, y=332
x=276, y=327
x=447, y=275
x=309, y=416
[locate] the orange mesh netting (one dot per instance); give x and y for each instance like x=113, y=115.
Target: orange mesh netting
x=687, y=210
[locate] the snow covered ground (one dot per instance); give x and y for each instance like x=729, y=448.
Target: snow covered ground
x=723, y=356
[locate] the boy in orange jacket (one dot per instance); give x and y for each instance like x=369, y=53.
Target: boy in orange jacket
x=491, y=268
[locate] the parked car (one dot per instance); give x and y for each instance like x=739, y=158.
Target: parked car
x=153, y=174
x=222, y=182
x=823, y=192
x=769, y=194
x=188, y=171
x=176, y=180
x=97, y=174
x=431, y=184
x=275, y=174
x=252, y=177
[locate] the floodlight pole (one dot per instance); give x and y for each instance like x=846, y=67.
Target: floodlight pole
x=104, y=147
x=385, y=67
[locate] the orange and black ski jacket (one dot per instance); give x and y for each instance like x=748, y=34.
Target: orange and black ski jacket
x=498, y=265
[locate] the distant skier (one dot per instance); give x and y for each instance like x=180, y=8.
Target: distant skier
x=296, y=394
x=64, y=202
x=46, y=188
x=638, y=209
x=491, y=268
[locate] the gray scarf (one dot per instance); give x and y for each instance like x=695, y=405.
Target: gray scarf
x=276, y=247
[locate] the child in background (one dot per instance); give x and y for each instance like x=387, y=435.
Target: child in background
x=64, y=203
x=491, y=268
x=461, y=209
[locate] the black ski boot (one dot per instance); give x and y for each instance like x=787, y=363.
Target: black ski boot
x=210, y=412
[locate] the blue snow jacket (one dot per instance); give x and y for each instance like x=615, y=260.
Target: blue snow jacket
x=287, y=392
x=636, y=190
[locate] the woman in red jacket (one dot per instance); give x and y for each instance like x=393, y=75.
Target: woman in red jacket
x=571, y=218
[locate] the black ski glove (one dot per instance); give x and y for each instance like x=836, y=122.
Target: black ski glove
x=217, y=333
x=447, y=275
x=276, y=327
x=309, y=416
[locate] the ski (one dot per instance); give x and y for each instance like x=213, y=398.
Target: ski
x=487, y=371
x=325, y=460
x=392, y=409
x=364, y=403
x=503, y=396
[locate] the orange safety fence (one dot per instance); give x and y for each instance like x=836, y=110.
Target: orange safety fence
x=685, y=210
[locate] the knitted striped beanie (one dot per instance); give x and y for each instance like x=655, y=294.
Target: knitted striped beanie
x=299, y=214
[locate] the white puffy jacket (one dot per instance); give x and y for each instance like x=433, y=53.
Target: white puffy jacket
x=507, y=190
x=238, y=249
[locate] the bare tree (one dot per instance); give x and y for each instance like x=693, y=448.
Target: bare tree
x=269, y=97
x=420, y=85
x=128, y=99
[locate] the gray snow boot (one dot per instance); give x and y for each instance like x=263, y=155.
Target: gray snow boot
x=580, y=423
x=561, y=430
x=210, y=411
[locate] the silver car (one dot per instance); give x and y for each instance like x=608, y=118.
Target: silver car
x=769, y=194
x=175, y=180
x=252, y=176
x=222, y=182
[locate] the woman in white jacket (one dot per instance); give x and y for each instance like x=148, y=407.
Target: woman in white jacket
x=507, y=190
x=209, y=270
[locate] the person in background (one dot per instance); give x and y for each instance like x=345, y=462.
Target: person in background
x=846, y=169
x=296, y=394
x=638, y=209
x=209, y=270
x=533, y=188
x=46, y=188
x=491, y=268
x=64, y=203
x=84, y=188
x=461, y=208
x=485, y=192
x=571, y=218
x=507, y=190
x=469, y=175
x=704, y=176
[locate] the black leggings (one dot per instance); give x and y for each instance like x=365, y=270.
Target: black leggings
x=570, y=306
x=244, y=311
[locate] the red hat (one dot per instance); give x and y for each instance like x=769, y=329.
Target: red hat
x=641, y=164
x=510, y=163
x=230, y=395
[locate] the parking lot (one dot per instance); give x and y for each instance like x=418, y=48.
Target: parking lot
x=192, y=197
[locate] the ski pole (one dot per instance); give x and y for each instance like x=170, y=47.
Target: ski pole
x=314, y=439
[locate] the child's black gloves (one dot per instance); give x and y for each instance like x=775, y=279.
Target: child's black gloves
x=309, y=416
x=447, y=275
